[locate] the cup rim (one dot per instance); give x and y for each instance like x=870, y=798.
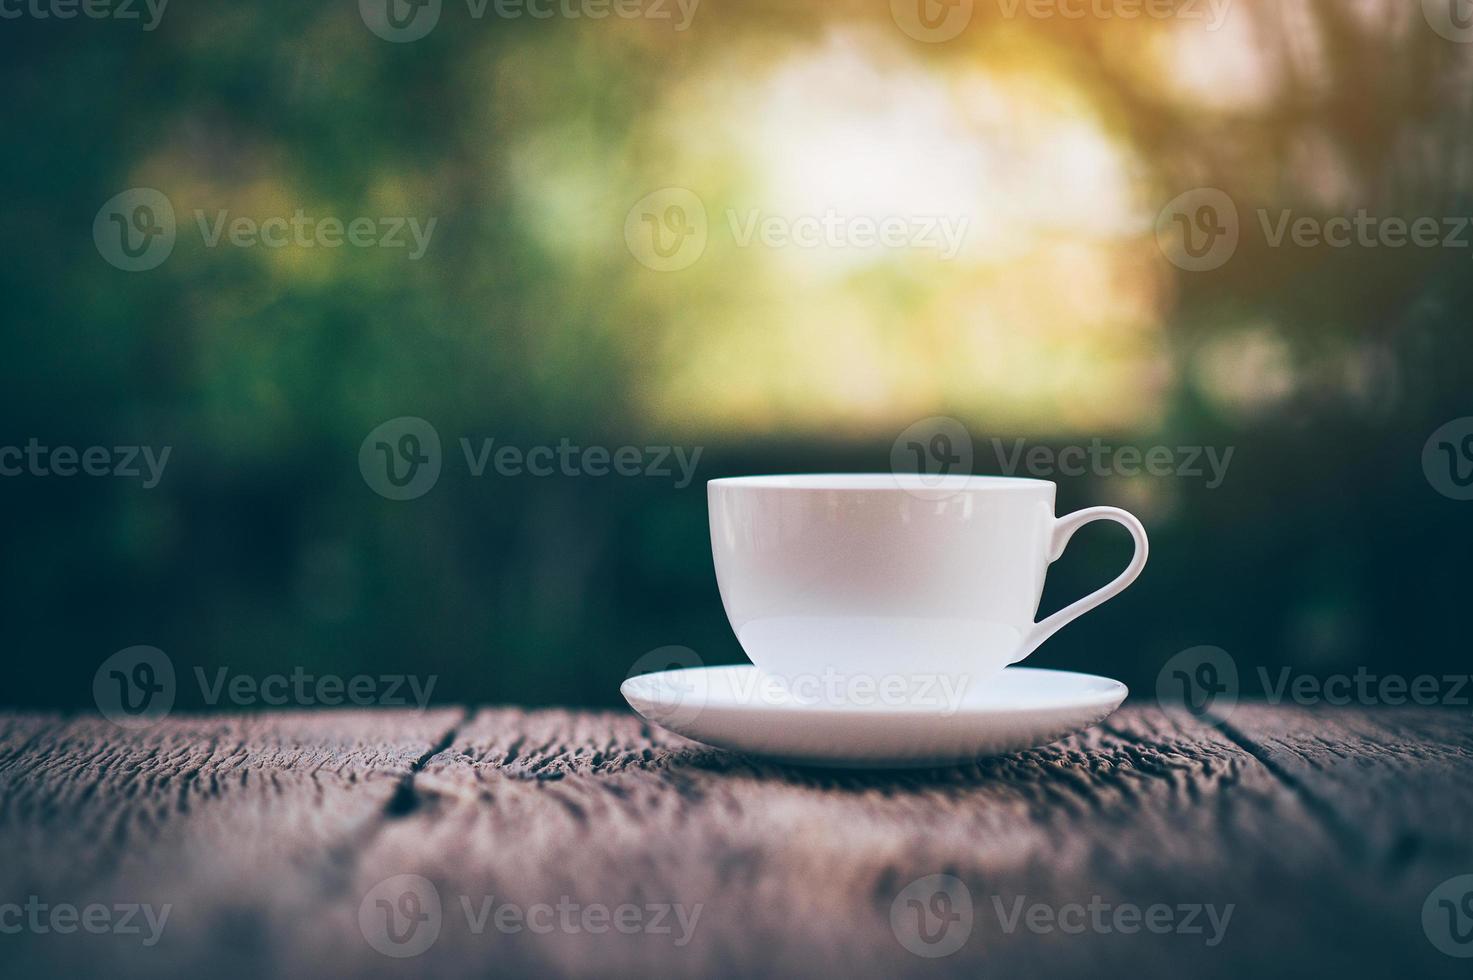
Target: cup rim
x=878, y=482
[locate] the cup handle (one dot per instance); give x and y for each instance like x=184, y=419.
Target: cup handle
x=1064, y=528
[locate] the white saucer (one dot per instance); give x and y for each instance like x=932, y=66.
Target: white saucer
x=741, y=709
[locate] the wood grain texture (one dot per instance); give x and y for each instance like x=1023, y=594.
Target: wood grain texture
x=243, y=825
x=1324, y=829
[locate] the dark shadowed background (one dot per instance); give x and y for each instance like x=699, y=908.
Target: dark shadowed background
x=544, y=149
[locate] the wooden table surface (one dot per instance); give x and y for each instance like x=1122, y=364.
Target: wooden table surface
x=573, y=843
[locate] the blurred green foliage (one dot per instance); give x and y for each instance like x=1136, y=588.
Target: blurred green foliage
x=529, y=321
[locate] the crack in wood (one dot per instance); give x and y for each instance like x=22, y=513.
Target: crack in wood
x=407, y=797
x=1345, y=836
x=1296, y=816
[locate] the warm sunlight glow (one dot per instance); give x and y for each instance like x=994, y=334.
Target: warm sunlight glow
x=1017, y=287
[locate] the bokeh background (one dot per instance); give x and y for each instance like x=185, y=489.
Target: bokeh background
x=530, y=319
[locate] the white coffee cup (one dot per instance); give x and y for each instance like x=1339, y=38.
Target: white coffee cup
x=882, y=576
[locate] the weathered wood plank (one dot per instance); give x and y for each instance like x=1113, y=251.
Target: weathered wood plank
x=271, y=834
x=1395, y=785
x=797, y=869
x=240, y=824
